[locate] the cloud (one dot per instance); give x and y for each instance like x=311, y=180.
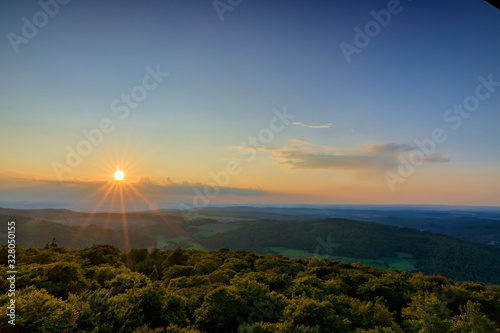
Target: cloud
x=75, y=193
x=436, y=158
x=390, y=148
x=396, y=148
x=185, y=188
x=256, y=148
x=375, y=157
x=310, y=160
x=328, y=125
x=300, y=141
x=301, y=154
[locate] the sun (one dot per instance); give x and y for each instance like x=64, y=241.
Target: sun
x=119, y=175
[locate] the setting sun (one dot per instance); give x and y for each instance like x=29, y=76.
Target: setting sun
x=119, y=175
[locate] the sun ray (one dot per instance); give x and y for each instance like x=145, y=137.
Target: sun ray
x=122, y=195
x=124, y=220
x=174, y=226
x=91, y=215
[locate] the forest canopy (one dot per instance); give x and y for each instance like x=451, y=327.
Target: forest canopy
x=101, y=289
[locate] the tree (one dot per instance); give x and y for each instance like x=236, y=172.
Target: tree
x=176, y=257
x=220, y=311
x=309, y=312
x=38, y=311
x=51, y=245
x=471, y=320
x=426, y=313
x=154, y=274
x=176, y=271
x=102, y=254
x=63, y=278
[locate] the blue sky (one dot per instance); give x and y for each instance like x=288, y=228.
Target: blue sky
x=225, y=77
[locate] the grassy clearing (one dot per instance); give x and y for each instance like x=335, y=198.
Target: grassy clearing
x=162, y=240
x=401, y=264
x=403, y=261
x=404, y=255
x=294, y=253
x=197, y=246
x=173, y=242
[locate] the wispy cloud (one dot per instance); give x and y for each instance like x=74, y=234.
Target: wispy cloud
x=302, y=154
x=374, y=157
x=390, y=148
x=146, y=185
x=256, y=148
x=436, y=158
x=300, y=141
x=328, y=125
x=308, y=160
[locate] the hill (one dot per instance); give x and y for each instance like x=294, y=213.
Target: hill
x=355, y=240
x=123, y=231
x=481, y=224
x=375, y=244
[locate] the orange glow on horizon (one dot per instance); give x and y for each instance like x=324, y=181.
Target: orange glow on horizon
x=124, y=196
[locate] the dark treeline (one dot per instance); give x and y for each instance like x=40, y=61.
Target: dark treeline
x=97, y=229
x=436, y=254
x=101, y=289
x=459, y=259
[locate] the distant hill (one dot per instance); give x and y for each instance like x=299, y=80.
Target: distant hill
x=434, y=253
x=47, y=214
x=480, y=224
x=343, y=239
x=111, y=229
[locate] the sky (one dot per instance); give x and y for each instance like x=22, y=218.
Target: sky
x=248, y=102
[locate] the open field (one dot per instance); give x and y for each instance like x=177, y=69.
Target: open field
x=169, y=241
x=404, y=261
x=294, y=253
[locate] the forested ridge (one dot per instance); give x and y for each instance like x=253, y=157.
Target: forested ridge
x=101, y=289
x=452, y=257
x=432, y=253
